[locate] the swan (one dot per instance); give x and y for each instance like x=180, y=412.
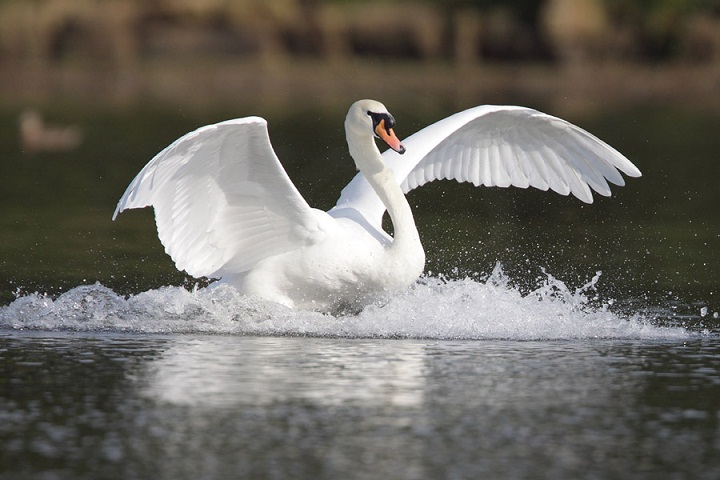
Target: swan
x=225, y=208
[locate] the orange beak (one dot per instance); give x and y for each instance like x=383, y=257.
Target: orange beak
x=389, y=137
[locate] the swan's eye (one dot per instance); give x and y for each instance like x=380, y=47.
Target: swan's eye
x=378, y=117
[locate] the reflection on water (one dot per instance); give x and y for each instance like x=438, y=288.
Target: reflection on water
x=202, y=373
x=143, y=406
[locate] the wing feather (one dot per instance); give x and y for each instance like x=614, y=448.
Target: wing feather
x=222, y=200
x=499, y=146
x=483, y=170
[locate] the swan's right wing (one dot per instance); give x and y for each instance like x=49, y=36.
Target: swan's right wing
x=223, y=201
x=497, y=146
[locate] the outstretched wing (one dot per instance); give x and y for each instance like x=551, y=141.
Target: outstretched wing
x=222, y=200
x=497, y=146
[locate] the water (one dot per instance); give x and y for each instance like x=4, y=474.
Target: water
x=433, y=308
x=514, y=357
x=452, y=379
x=114, y=405
x=657, y=238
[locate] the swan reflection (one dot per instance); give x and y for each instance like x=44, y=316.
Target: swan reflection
x=227, y=371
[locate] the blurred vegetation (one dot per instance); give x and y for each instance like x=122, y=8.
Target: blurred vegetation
x=661, y=22
x=122, y=50
x=123, y=31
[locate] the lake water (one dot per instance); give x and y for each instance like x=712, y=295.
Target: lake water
x=168, y=406
x=549, y=339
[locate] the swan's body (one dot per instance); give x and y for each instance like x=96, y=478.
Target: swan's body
x=225, y=208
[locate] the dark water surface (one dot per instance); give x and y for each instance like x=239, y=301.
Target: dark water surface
x=510, y=373
x=110, y=405
x=657, y=238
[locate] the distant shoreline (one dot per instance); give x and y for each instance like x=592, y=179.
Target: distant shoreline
x=577, y=88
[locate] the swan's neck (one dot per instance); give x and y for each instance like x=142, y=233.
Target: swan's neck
x=368, y=159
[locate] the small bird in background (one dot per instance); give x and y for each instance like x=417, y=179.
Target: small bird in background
x=38, y=136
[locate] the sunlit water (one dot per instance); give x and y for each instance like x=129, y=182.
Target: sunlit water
x=451, y=379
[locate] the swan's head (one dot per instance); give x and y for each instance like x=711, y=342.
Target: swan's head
x=368, y=118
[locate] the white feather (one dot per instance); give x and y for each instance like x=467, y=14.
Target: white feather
x=225, y=207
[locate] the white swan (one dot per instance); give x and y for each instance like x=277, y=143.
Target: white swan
x=225, y=208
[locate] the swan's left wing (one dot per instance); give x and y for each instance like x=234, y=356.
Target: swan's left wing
x=498, y=146
x=222, y=200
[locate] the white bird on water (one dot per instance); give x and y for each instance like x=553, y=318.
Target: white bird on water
x=225, y=208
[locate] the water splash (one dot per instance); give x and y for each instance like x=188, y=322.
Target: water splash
x=434, y=307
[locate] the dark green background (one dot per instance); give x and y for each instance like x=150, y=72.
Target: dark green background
x=656, y=240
